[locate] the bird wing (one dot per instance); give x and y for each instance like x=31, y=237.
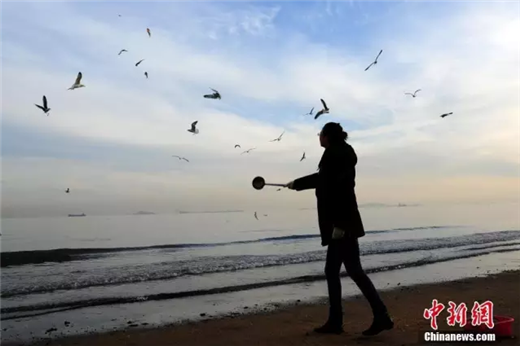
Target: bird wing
x=78, y=78
x=324, y=104
x=369, y=66
x=176, y=156
x=408, y=94
x=214, y=90
x=44, y=101
x=193, y=124
x=237, y=146
x=311, y=111
x=381, y=51
x=43, y=109
x=416, y=91
x=281, y=134
x=318, y=114
x=185, y=159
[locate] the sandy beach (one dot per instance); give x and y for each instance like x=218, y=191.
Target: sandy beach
x=293, y=325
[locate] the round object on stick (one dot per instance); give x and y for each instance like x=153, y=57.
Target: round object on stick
x=259, y=183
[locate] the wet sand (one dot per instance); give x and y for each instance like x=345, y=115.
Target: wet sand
x=293, y=325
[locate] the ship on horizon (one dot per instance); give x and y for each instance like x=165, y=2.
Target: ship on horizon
x=77, y=215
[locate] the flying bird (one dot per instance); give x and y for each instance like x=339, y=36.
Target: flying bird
x=303, y=157
x=67, y=191
x=149, y=32
x=77, y=83
x=325, y=110
x=375, y=61
x=446, y=114
x=279, y=190
x=278, y=139
x=215, y=95
x=140, y=61
x=44, y=108
x=122, y=50
x=181, y=158
x=194, y=128
x=310, y=113
x=256, y=217
x=146, y=74
x=247, y=151
x=237, y=146
x=414, y=93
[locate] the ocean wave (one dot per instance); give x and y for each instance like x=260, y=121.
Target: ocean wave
x=18, y=258
x=123, y=274
x=47, y=308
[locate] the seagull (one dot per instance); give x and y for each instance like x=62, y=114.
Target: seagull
x=77, y=83
x=256, y=217
x=375, y=61
x=310, y=113
x=215, y=95
x=247, y=151
x=194, y=129
x=67, y=191
x=303, y=157
x=237, y=146
x=122, y=50
x=45, y=109
x=325, y=110
x=146, y=74
x=415, y=92
x=181, y=158
x=278, y=139
x=149, y=33
x=279, y=190
x=140, y=61
x=446, y=114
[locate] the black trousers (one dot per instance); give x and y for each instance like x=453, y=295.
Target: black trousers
x=346, y=251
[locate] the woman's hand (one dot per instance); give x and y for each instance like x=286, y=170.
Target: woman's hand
x=338, y=233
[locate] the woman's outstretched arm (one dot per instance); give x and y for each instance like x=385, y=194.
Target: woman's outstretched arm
x=305, y=183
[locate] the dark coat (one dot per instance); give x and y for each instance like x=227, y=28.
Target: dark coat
x=334, y=184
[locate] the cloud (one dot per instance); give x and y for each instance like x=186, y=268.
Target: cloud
x=271, y=66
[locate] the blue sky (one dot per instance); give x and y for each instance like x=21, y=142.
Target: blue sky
x=111, y=142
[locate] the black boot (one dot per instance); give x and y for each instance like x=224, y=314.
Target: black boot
x=381, y=322
x=330, y=328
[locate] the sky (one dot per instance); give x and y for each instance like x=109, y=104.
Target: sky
x=112, y=141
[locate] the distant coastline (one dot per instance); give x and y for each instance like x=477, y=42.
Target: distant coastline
x=210, y=212
x=144, y=213
x=377, y=205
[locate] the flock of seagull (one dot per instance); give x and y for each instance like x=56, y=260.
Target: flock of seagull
x=215, y=95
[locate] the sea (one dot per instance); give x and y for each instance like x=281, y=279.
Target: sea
x=75, y=275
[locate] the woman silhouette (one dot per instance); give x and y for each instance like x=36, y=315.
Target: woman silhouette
x=340, y=227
